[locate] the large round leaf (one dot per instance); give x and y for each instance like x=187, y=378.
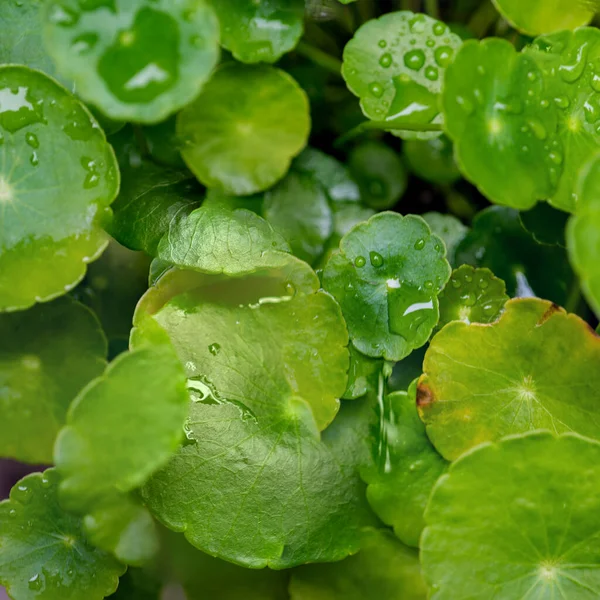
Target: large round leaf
x=396, y=65
x=244, y=129
x=57, y=178
x=386, y=277
x=583, y=232
x=482, y=382
x=47, y=355
x=135, y=60
x=260, y=31
x=503, y=123
x=43, y=551
x=546, y=16
x=516, y=519
x=569, y=62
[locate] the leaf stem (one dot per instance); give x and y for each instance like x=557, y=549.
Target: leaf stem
x=432, y=8
x=384, y=126
x=320, y=58
x=482, y=19
x=574, y=298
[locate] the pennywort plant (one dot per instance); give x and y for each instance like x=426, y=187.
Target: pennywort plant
x=298, y=297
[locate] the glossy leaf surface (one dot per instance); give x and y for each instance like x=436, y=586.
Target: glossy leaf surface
x=135, y=60
x=510, y=377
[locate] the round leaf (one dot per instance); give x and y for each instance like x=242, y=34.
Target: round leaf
x=516, y=519
x=449, y=228
x=472, y=296
x=384, y=568
x=243, y=130
x=386, y=277
x=134, y=60
x=503, y=124
x=122, y=427
x=408, y=467
x=57, y=178
x=541, y=16
x=482, y=382
x=48, y=354
x=498, y=241
x=582, y=234
x=43, y=551
x=260, y=31
x=380, y=174
x=432, y=160
x=396, y=66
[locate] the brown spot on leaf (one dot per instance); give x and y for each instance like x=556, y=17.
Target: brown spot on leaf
x=425, y=395
x=552, y=309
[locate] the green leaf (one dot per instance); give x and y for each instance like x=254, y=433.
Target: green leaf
x=568, y=61
x=260, y=31
x=449, y=228
x=386, y=278
x=57, y=179
x=432, y=160
x=333, y=175
x=137, y=584
x=500, y=115
x=104, y=46
x=242, y=132
x=546, y=224
x=482, y=382
x=396, y=66
x=43, y=551
x=21, y=37
x=298, y=209
x=472, y=296
x=516, y=519
x=582, y=233
x=363, y=374
x=540, y=16
x=122, y=427
x=384, y=568
x=407, y=370
x=380, y=173
x=407, y=467
x=163, y=143
x=498, y=241
x=47, y=355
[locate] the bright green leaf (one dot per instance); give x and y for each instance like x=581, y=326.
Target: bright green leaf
x=450, y=229
x=472, y=296
x=384, y=568
x=57, y=178
x=432, y=160
x=516, y=519
x=547, y=16
x=407, y=467
x=396, y=66
x=242, y=132
x=134, y=60
x=122, y=427
x=380, y=173
x=48, y=353
x=482, y=382
x=43, y=551
x=260, y=31
x=503, y=123
x=386, y=278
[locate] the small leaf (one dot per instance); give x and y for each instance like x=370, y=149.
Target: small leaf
x=384, y=568
x=298, y=209
x=540, y=16
x=242, y=132
x=472, y=296
x=260, y=31
x=57, y=179
x=43, y=551
x=380, y=173
x=499, y=115
x=516, y=519
x=482, y=382
x=396, y=66
x=407, y=467
x=450, y=229
x=49, y=353
x=498, y=241
x=386, y=278
x=122, y=427
x=432, y=160
x=133, y=60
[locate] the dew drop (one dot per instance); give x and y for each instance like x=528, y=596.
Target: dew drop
x=432, y=73
x=376, y=259
x=36, y=583
x=386, y=60
x=63, y=16
x=21, y=493
x=556, y=158
x=455, y=283
x=439, y=28
x=360, y=261
x=573, y=70
x=420, y=244
x=34, y=159
x=32, y=140
x=430, y=43
x=428, y=285
x=595, y=82
x=376, y=89
x=468, y=298
x=443, y=55
x=537, y=128
x=531, y=76
x=417, y=25
x=408, y=310
x=465, y=104
x=483, y=283
x=414, y=59
x=468, y=278
x=214, y=349
x=382, y=43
